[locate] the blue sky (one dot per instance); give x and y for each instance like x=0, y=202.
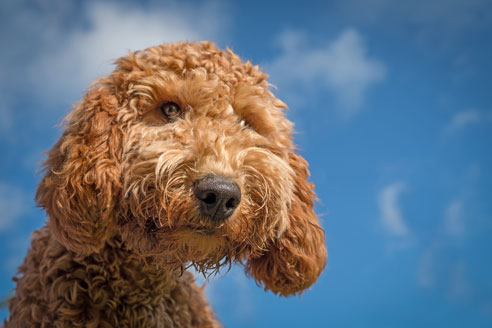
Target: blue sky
x=392, y=103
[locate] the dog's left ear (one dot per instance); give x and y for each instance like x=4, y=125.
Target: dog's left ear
x=82, y=182
x=294, y=261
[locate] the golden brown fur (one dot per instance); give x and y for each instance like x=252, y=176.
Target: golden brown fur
x=123, y=221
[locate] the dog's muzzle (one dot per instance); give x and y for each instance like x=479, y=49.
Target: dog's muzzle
x=217, y=196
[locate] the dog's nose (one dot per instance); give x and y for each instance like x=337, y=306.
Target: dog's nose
x=217, y=196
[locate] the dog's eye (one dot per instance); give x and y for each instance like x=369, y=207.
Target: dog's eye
x=170, y=110
x=245, y=125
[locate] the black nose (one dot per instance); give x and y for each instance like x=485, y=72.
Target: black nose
x=217, y=196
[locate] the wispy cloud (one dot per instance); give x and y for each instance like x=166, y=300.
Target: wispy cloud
x=6, y=116
x=12, y=205
x=459, y=288
x=391, y=214
x=435, y=20
x=341, y=66
x=426, y=275
x=454, y=224
x=436, y=271
x=464, y=119
x=452, y=277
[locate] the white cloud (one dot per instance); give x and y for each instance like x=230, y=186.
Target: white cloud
x=391, y=216
x=65, y=59
x=341, y=66
x=454, y=224
x=114, y=30
x=12, y=205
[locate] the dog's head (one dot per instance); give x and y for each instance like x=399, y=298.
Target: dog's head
x=185, y=154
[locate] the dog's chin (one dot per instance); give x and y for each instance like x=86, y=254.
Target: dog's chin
x=200, y=238
x=192, y=243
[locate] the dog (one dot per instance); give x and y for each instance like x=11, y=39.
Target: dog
x=181, y=157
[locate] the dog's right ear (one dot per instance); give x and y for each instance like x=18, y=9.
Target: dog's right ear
x=82, y=174
x=296, y=259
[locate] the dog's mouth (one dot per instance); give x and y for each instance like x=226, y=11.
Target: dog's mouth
x=153, y=225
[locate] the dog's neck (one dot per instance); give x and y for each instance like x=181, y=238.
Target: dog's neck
x=116, y=270
x=142, y=273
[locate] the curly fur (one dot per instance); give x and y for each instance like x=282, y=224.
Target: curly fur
x=123, y=221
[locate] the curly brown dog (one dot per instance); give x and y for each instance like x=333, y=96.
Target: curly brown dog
x=180, y=157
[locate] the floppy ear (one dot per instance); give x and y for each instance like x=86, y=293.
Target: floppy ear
x=82, y=182
x=294, y=262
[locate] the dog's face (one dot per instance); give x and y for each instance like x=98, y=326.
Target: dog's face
x=185, y=154
x=201, y=181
